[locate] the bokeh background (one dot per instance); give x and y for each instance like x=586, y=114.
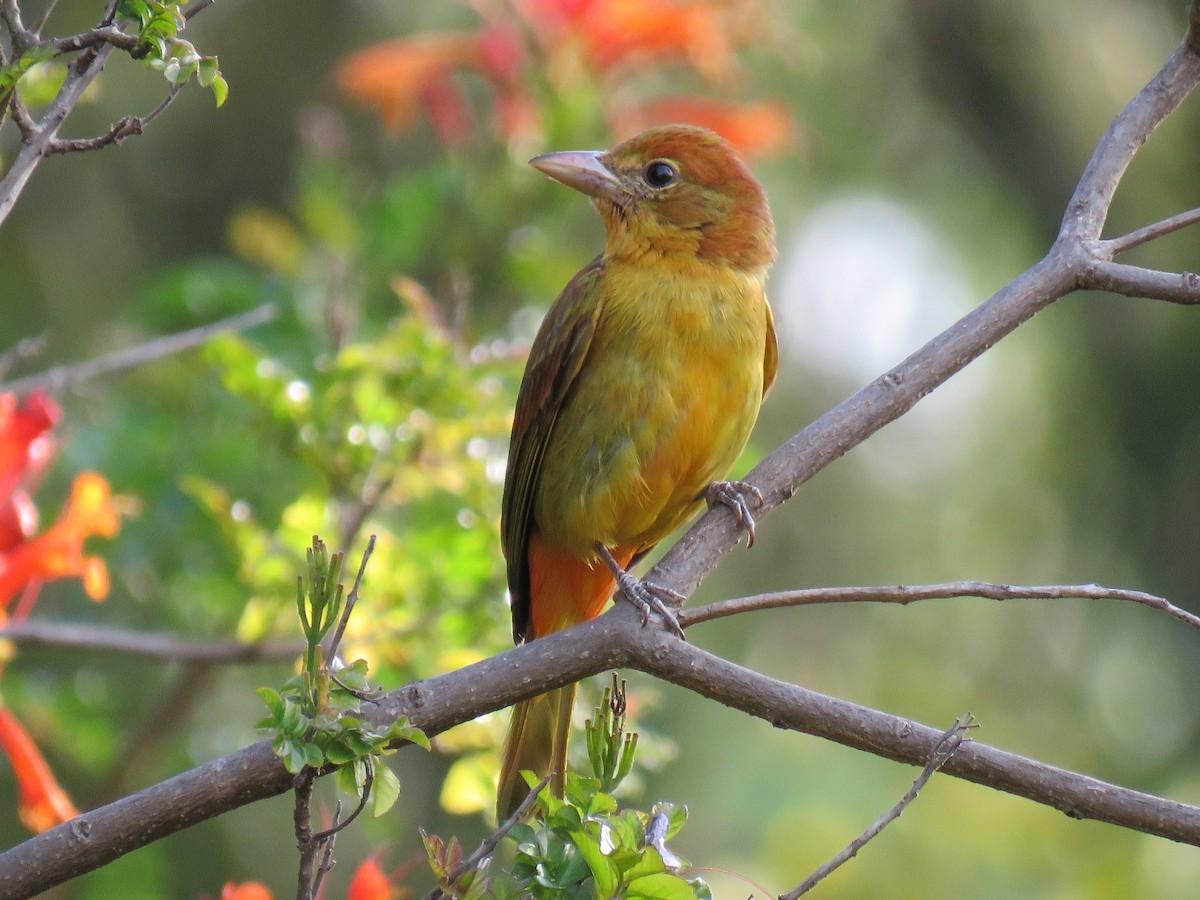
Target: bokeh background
x=918, y=154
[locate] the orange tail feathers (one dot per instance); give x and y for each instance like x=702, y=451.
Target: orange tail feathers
x=564, y=591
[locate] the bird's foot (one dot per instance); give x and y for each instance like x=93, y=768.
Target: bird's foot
x=733, y=494
x=645, y=595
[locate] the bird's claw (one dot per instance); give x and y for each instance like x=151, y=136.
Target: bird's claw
x=647, y=596
x=644, y=595
x=733, y=494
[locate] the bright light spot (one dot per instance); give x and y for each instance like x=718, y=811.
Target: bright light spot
x=240, y=511
x=864, y=285
x=477, y=448
x=267, y=368
x=298, y=392
x=356, y=434
x=378, y=436
x=495, y=469
x=467, y=518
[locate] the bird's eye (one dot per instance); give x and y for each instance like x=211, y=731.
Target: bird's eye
x=660, y=174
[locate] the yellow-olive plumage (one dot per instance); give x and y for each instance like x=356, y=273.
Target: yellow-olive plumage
x=641, y=388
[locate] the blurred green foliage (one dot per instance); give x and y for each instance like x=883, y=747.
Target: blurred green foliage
x=939, y=143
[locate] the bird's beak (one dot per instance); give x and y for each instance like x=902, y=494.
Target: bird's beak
x=583, y=170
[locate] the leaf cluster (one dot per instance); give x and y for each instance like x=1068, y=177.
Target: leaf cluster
x=160, y=47
x=312, y=716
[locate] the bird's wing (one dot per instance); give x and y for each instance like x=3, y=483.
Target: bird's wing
x=555, y=360
x=771, y=356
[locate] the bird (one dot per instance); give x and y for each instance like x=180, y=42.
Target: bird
x=642, y=385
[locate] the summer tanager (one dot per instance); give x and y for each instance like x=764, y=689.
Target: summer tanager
x=642, y=386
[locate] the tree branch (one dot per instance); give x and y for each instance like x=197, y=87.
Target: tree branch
x=1152, y=232
x=22, y=37
x=1134, y=281
x=905, y=594
x=165, y=647
x=40, y=139
x=80, y=75
x=127, y=127
x=61, y=377
x=614, y=640
x=104, y=34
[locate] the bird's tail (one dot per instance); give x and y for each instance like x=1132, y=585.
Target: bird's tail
x=537, y=740
x=564, y=590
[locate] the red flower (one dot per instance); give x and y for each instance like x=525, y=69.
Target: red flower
x=43, y=804
x=25, y=442
x=701, y=33
x=247, y=890
x=58, y=551
x=370, y=883
x=400, y=77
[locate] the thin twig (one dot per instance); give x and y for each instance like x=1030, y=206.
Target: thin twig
x=351, y=600
x=20, y=115
x=166, y=647
x=1152, y=232
x=21, y=352
x=127, y=127
x=196, y=7
x=61, y=377
x=327, y=861
x=46, y=13
x=941, y=753
x=489, y=845
x=103, y=34
x=905, y=594
x=363, y=799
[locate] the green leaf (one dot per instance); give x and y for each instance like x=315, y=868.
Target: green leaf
x=676, y=814
x=346, y=781
x=292, y=721
x=273, y=701
x=338, y=754
x=660, y=886
x=314, y=755
x=649, y=862
x=294, y=758
x=354, y=676
x=206, y=71
x=604, y=871
x=385, y=790
x=401, y=730
x=220, y=89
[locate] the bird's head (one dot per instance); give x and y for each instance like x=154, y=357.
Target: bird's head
x=673, y=193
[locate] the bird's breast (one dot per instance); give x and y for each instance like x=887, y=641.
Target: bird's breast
x=663, y=405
